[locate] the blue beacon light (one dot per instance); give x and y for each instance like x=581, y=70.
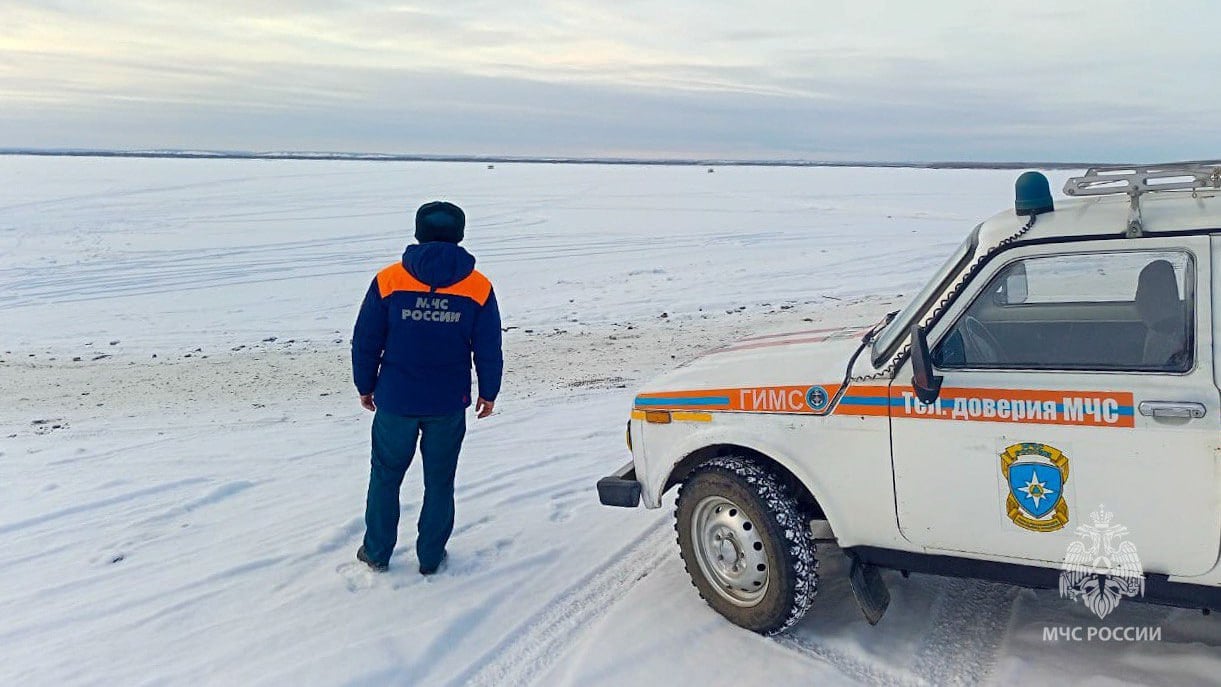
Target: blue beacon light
x=1032, y=195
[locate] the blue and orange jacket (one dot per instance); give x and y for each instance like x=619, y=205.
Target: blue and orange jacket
x=422, y=322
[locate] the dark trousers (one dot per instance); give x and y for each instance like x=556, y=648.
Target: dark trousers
x=394, y=444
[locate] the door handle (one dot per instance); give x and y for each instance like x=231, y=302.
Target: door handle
x=1185, y=409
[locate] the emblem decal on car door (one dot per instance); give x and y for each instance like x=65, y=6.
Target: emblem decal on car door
x=1036, y=474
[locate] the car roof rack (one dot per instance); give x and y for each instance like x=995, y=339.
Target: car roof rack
x=1136, y=180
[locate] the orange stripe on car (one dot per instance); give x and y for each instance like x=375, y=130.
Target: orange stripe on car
x=761, y=399
x=1024, y=406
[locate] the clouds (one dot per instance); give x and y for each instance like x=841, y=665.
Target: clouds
x=841, y=81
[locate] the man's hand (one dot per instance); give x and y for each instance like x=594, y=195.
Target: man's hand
x=483, y=408
x=366, y=402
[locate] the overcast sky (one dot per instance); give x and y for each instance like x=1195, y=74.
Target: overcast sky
x=932, y=80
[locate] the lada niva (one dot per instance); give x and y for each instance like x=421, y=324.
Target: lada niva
x=1045, y=412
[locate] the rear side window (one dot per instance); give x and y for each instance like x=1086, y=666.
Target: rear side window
x=1132, y=310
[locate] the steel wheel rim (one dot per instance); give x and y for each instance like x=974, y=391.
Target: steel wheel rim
x=729, y=551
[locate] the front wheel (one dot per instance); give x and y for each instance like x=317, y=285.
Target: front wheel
x=746, y=546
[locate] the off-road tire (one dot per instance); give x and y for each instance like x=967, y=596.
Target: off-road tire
x=785, y=533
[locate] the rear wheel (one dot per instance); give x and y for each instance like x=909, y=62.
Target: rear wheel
x=746, y=546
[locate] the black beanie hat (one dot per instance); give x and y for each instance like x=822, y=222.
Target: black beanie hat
x=439, y=221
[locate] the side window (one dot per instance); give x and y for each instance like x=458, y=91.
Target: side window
x=1131, y=311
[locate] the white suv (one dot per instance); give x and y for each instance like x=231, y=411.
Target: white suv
x=1056, y=377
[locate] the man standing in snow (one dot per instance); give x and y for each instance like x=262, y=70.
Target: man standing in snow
x=422, y=322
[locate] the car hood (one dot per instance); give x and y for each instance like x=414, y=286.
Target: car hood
x=806, y=357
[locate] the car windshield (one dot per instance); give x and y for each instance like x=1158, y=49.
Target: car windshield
x=887, y=342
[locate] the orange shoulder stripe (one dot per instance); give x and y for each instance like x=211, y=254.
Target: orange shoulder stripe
x=396, y=278
x=475, y=287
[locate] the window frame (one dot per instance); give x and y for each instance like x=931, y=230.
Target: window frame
x=888, y=341
x=1190, y=295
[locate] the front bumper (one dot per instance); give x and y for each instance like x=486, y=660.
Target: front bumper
x=621, y=488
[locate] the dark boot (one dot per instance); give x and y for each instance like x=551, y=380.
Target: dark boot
x=432, y=569
x=374, y=565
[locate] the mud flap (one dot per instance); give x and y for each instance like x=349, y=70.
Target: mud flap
x=871, y=593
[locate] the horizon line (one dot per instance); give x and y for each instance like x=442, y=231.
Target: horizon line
x=172, y=153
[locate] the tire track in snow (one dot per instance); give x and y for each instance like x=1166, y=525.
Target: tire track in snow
x=962, y=644
x=91, y=506
x=860, y=670
x=535, y=645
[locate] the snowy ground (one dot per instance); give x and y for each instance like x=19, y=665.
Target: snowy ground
x=183, y=464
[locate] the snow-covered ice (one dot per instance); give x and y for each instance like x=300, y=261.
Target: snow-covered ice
x=183, y=462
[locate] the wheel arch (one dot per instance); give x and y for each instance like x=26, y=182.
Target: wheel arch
x=806, y=498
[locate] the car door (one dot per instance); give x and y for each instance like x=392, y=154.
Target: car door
x=1078, y=386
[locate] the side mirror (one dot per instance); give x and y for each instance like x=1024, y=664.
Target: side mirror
x=926, y=384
